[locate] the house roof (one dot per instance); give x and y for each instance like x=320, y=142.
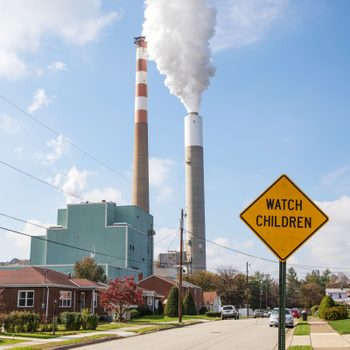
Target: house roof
x=33, y=276
x=337, y=290
x=209, y=297
x=38, y=276
x=172, y=281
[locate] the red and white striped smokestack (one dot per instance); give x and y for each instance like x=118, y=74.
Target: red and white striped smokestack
x=140, y=190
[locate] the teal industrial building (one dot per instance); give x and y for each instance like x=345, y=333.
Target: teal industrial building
x=119, y=238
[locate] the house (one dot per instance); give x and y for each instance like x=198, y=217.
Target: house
x=47, y=292
x=162, y=286
x=340, y=295
x=212, y=301
x=151, y=299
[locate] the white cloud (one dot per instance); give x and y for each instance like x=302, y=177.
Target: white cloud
x=57, y=66
x=9, y=124
x=330, y=245
x=24, y=25
x=40, y=100
x=72, y=182
x=159, y=170
x=242, y=22
x=107, y=194
x=57, y=146
x=22, y=243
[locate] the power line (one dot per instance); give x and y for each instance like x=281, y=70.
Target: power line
x=78, y=148
x=40, y=180
x=68, y=245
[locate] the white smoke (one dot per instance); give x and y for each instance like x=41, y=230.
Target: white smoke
x=177, y=34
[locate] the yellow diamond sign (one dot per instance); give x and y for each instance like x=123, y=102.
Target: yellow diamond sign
x=283, y=217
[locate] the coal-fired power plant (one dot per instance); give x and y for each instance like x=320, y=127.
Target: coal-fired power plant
x=195, y=207
x=140, y=188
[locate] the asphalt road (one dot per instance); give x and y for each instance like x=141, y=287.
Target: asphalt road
x=240, y=334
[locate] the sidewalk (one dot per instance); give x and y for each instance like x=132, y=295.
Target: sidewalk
x=322, y=337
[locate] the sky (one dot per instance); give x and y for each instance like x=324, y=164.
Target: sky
x=278, y=103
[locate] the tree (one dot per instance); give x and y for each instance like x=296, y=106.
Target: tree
x=207, y=280
x=88, y=268
x=231, y=286
x=293, y=285
x=171, y=306
x=316, y=277
x=310, y=294
x=325, y=304
x=339, y=280
x=120, y=294
x=189, y=306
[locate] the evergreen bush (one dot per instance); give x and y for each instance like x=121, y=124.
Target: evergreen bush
x=326, y=303
x=160, y=309
x=20, y=322
x=171, y=307
x=203, y=310
x=335, y=313
x=71, y=320
x=189, y=306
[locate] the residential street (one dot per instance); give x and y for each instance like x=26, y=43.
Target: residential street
x=240, y=334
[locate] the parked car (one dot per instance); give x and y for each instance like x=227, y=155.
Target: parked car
x=274, y=318
x=258, y=313
x=229, y=311
x=295, y=312
x=266, y=313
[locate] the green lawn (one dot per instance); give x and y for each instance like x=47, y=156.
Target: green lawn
x=5, y=341
x=162, y=318
x=341, y=326
x=300, y=347
x=153, y=328
x=302, y=328
x=85, y=340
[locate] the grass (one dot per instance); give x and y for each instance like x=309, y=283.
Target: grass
x=5, y=341
x=302, y=328
x=341, y=326
x=162, y=318
x=152, y=328
x=300, y=347
x=85, y=340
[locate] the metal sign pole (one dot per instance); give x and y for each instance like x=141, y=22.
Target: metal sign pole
x=282, y=307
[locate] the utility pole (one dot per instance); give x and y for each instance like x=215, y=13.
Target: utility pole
x=247, y=290
x=180, y=265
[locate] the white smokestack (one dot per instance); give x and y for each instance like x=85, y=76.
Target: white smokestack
x=177, y=34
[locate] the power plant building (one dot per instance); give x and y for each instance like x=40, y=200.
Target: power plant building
x=119, y=238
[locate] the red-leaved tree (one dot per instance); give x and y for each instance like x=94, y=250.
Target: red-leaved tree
x=120, y=294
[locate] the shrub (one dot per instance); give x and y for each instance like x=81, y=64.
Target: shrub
x=134, y=314
x=88, y=321
x=213, y=314
x=145, y=311
x=20, y=322
x=203, y=310
x=314, y=309
x=171, y=307
x=71, y=320
x=189, y=306
x=335, y=313
x=326, y=303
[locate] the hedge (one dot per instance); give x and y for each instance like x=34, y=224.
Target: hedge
x=335, y=313
x=20, y=322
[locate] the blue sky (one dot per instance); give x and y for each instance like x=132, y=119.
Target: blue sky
x=278, y=104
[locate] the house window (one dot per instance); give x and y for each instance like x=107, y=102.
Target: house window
x=25, y=298
x=65, y=298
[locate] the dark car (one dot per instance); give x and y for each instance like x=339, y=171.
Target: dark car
x=295, y=312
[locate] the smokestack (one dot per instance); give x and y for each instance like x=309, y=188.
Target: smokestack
x=195, y=208
x=140, y=191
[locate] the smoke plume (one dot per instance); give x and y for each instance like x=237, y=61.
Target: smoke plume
x=178, y=34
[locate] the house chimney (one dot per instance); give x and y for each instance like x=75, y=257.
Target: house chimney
x=140, y=189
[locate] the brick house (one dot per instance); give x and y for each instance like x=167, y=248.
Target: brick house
x=162, y=286
x=212, y=301
x=47, y=292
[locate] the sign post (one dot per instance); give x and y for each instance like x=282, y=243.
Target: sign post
x=284, y=218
